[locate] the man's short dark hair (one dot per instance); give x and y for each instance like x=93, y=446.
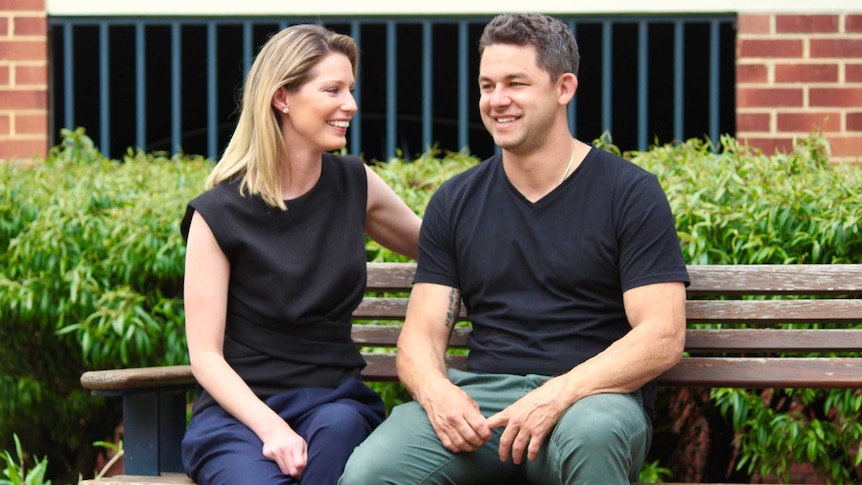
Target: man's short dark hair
x=556, y=48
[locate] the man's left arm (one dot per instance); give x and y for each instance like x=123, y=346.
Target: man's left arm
x=656, y=313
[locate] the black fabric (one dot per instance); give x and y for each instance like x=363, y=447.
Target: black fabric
x=296, y=277
x=543, y=282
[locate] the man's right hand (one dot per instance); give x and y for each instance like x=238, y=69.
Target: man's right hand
x=455, y=416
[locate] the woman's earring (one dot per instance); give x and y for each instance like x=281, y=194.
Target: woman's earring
x=285, y=110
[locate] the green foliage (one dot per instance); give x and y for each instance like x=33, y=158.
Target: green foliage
x=653, y=472
x=16, y=471
x=415, y=181
x=91, y=262
x=778, y=428
x=740, y=207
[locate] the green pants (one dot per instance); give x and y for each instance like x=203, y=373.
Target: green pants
x=602, y=439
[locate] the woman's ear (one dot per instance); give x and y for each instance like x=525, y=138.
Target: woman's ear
x=280, y=101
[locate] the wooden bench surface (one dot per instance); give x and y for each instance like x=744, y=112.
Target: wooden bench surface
x=750, y=326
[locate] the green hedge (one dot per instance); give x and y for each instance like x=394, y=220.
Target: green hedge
x=92, y=264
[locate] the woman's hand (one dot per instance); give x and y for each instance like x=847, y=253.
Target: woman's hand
x=288, y=450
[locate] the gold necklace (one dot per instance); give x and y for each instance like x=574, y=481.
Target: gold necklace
x=569, y=166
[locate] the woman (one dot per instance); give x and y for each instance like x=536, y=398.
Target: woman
x=275, y=266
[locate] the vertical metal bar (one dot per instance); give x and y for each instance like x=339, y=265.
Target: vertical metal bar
x=212, y=91
x=572, y=108
x=463, y=69
x=678, y=86
x=391, y=88
x=104, y=90
x=714, y=68
x=607, y=75
x=68, y=77
x=247, y=48
x=356, y=122
x=140, y=87
x=643, y=83
x=176, y=88
x=427, y=88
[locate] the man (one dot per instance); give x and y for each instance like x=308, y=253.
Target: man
x=567, y=260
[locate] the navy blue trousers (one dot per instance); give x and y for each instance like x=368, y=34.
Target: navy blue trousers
x=220, y=450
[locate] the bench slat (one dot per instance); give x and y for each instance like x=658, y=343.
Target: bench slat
x=762, y=373
x=775, y=279
x=757, y=279
x=697, y=311
x=387, y=335
x=696, y=340
x=774, y=311
x=386, y=308
x=743, y=340
x=390, y=276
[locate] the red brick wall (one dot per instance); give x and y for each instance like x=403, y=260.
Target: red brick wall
x=23, y=79
x=798, y=74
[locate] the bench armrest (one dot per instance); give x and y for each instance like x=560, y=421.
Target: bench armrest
x=117, y=381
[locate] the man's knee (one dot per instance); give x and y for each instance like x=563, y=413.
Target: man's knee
x=388, y=455
x=365, y=464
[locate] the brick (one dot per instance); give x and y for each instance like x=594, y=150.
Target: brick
x=770, y=48
x=31, y=75
x=836, y=48
x=846, y=146
x=23, y=99
x=854, y=121
x=37, y=5
x=792, y=24
x=806, y=73
x=752, y=73
x=16, y=50
x=4, y=26
x=853, y=23
x=768, y=97
x=754, y=24
x=18, y=149
x=769, y=146
x=31, y=124
x=30, y=26
x=5, y=78
x=853, y=73
x=808, y=122
x=838, y=97
x=5, y=124
x=749, y=122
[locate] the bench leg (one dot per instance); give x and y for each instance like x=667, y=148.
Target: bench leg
x=153, y=427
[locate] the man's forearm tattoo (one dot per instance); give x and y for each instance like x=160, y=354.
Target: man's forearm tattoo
x=454, y=308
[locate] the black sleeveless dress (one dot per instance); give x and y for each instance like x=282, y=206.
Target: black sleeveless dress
x=295, y=278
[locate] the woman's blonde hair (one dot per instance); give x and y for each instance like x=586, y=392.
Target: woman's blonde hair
x=256, y=148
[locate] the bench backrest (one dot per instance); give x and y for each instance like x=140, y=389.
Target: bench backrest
x=767, y=326
x=764, y=321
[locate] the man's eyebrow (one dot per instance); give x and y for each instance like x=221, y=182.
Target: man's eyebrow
x=507, y=77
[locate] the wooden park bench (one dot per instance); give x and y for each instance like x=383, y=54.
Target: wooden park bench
x=746, y=351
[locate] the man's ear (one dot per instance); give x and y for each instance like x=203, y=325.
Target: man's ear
x=567, y=85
